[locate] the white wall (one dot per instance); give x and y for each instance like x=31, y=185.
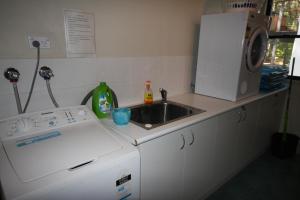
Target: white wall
x=296, y=54
x=214, y=6
x=123, y=28
x=136, y=40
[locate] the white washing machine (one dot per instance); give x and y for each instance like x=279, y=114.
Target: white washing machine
x=65, y=153
x=232, y=48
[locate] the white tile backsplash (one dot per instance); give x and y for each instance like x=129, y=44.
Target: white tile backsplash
x=74, y=78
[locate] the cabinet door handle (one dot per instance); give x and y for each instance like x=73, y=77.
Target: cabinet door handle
x=245, y=116
x=183, y=144
x=244, y=110
x=193, y=138
x=240, y=116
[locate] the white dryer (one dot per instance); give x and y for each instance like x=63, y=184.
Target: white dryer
x=65, y=153
x=232, y=48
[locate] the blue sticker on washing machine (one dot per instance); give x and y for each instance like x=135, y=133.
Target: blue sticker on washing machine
x=38, y=138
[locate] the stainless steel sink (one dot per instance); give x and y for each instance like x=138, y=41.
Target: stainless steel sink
x=160, y=113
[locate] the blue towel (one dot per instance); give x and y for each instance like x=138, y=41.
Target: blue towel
x=273, y=77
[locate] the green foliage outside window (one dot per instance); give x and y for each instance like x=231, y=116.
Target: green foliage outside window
x=286, y=14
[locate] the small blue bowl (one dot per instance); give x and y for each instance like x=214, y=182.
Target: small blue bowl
x=121, y=116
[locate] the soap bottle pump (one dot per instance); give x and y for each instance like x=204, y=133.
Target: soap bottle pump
x=148, y=95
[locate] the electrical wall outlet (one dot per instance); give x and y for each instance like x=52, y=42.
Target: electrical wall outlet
x=44, y=41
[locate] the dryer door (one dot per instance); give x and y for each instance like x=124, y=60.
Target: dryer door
x=257, y=47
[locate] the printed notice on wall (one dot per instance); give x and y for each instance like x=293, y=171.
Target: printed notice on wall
x=80, y=34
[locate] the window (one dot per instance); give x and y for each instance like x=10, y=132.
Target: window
x=284, y=42
x=279, y=52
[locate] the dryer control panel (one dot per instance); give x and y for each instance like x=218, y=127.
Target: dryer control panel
x=26, y=124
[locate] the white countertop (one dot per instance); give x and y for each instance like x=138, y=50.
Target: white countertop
x=213, y=106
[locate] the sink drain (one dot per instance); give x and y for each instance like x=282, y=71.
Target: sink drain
x=148, y=125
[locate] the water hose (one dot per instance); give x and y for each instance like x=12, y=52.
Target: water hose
x=36, y=44
x=17, y=97
x=51, y=94
x=88, y=96
x=46, y=73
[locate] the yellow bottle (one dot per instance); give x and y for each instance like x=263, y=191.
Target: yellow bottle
x=148, y=95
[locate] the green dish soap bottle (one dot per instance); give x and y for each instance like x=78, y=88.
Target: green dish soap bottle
x=102, y=100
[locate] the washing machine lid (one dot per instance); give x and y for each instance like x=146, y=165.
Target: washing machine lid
x=256, y=49
x=46, y=153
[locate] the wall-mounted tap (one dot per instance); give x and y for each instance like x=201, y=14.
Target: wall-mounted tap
x=163, y=93
x=46, y=73
x=13, y=76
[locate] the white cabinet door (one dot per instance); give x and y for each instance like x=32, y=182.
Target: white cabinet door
x=247, y=128
x=270, y=115
x=162, y=167
x=179, y=165
x=235, y=140
x=198, y=158
x=244, y=133
x=225, y=163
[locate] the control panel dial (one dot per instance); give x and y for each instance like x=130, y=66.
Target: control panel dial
x=23, y=125
x=26, y=124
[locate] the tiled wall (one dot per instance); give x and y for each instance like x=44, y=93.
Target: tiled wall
x=74, y=78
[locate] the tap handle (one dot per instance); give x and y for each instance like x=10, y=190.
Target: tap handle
x=46, y=73
x=12, y=74
x=163, y=93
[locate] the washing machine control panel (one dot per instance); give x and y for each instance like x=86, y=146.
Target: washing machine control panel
x=26, y=124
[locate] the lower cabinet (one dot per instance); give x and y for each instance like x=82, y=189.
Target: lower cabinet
x=226, y=146
x=199, y=159
x=270, y=115
x=244, y=134
x=246, y=130
x=178, y=165
x=162, y=167
x=192, y=162
x=235, y=141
